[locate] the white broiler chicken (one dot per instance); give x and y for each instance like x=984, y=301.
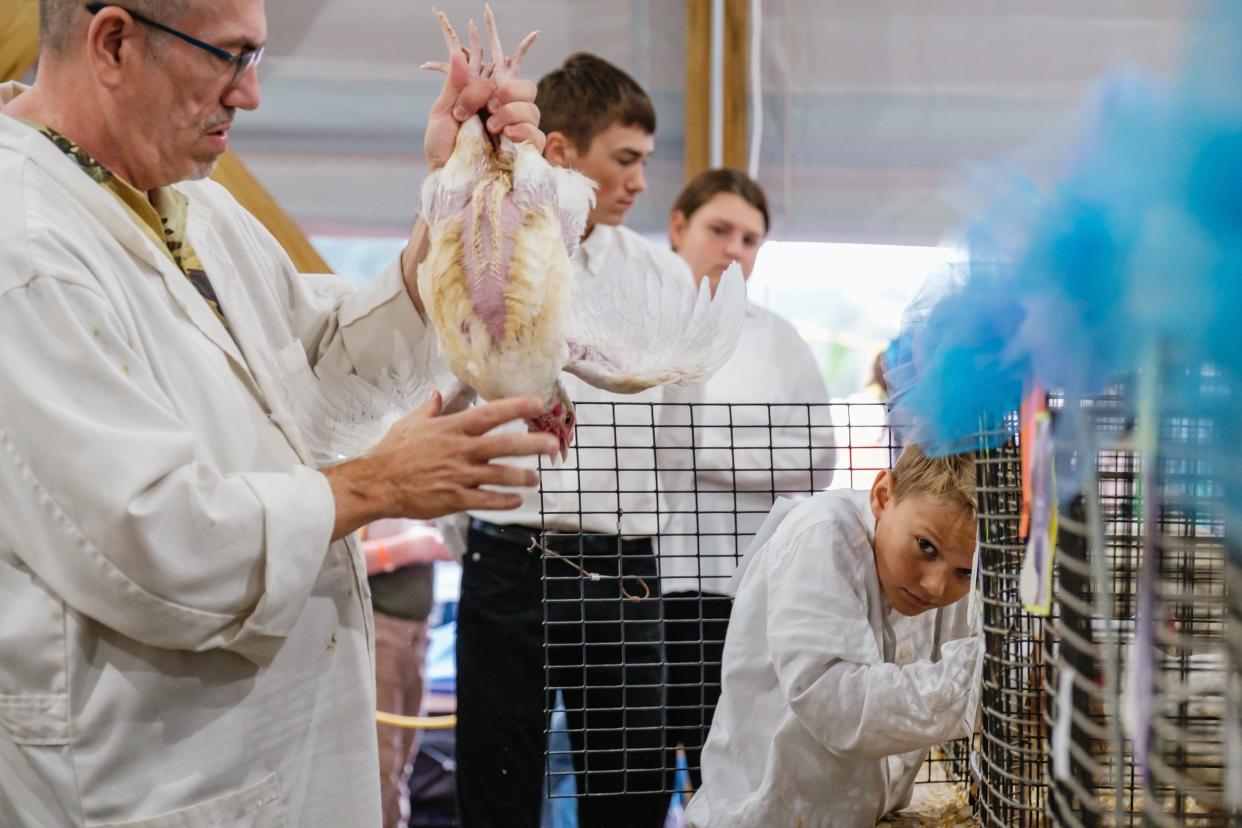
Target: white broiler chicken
x=499, y=288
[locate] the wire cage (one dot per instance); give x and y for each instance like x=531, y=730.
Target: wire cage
x=1186, y=625
x=1233, y=722
x=1140, y=628
x=642, y=532
x=1093, y=626
x=1138, y=625
x=1013, y=736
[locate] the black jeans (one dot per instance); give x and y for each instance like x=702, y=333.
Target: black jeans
x=695, y=624
x=604, y=654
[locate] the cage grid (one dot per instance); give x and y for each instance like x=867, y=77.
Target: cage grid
x=1186, y=755
x=1233, y=629
x=1140, y=570
x=1013, y=737
x=643, y=528
x=1092, y=627
x=640, y=537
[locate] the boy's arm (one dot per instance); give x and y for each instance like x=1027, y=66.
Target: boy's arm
x=829, y=666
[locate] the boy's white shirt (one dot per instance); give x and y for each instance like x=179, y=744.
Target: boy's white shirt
x=758, y=425
x=830, y=697
x=780, y=510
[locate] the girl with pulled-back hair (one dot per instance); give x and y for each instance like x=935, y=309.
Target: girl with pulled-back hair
x=720, y=217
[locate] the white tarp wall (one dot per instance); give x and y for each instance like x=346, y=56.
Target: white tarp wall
x=868, y=103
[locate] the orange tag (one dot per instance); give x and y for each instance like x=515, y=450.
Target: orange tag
x=1036, y=401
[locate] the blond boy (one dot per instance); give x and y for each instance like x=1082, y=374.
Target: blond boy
x=847, y=655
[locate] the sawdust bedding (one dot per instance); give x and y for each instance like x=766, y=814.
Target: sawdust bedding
x=934, y=805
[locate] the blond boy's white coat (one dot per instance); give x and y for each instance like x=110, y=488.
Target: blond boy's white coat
x=831, y=699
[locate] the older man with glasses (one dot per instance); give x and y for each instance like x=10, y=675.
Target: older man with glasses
x=185, y=635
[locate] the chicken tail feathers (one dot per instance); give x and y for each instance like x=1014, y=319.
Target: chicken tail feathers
x=637, y=329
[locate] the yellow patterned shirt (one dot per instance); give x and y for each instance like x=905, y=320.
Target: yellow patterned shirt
x=164, y=217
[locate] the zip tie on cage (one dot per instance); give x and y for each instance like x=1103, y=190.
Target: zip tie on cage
x=594, y=576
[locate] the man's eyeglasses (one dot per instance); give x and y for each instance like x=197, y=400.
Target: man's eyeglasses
x=240, y=62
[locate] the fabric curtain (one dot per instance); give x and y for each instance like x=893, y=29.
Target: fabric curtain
x=871, y=108
x=338, y=139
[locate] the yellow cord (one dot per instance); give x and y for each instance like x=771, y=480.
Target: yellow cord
x=416, y=722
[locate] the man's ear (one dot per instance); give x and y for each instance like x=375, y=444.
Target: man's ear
x=559, y=150
x=676, y=229
x=882, y=492
x=110, y=39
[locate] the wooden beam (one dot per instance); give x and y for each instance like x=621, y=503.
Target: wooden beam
x=699, y=84
x=19, y=38
x=232, y=173
x=737, y=84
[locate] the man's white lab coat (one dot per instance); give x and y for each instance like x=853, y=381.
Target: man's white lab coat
x=180, y=643
x=830, y=697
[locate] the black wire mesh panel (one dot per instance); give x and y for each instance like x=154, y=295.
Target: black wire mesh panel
x=1167, y=518
x=1092, y=626
x=1013, y=737
x=642, y=531
x=1233, y=637
x=1186, y=755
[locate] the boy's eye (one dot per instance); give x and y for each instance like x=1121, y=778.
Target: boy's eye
x=926, y=546
x=964, y=574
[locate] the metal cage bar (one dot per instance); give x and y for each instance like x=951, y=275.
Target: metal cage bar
x=1013, y=747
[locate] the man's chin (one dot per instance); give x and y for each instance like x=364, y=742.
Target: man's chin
x=203, y=170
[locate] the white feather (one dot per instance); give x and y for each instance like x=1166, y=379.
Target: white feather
x=536, y=182
x=575, y=196
x=340, y=417
x=446, y=190
x=634, y=329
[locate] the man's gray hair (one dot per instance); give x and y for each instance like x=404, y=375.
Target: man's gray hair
x=60, y=19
